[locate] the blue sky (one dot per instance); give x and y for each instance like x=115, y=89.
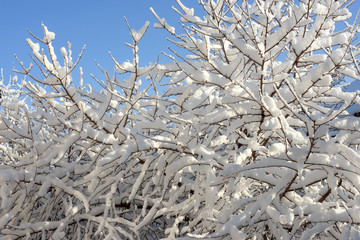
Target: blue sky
x=98, y=24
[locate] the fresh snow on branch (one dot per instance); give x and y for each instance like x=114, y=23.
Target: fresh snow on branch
x=244, y=134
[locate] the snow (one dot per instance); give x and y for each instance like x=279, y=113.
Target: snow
x=271, y=105
x=44, y=188
x=287, y=219
x=353, y=87
x=273, y=213
x=81, y=76
x=34, y=46
x=247, y=132
x=235, y=233
x=187, y=11
x=137, y=35
x=51, y=80
x=4, y=196
x=276, y=149
x=162, y=23
x=48, y=36
x=63, y=52
x=282, y=32
x=320, y=9
x=245, y=48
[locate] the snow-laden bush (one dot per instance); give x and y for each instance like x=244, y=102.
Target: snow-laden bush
x=250, y=139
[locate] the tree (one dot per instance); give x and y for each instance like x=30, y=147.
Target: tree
x=250, y=139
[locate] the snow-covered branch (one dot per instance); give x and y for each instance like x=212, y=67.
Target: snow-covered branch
x=250, y=139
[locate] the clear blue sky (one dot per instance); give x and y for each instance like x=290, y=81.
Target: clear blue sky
x=98, y=24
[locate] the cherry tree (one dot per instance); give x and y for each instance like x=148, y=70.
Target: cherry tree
x=241, y=135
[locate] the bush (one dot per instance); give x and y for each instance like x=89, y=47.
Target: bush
x=250, y=139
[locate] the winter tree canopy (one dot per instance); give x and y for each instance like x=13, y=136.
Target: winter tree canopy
x=241, y=135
